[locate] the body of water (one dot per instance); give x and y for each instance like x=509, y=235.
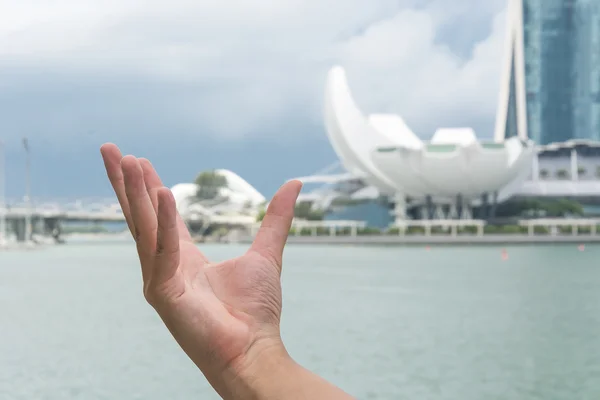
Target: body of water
x=382, y=323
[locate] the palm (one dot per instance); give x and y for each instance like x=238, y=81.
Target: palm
x=216, y=311
x=238, y=301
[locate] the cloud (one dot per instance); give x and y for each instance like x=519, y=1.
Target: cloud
x=232, y=69
x=397, y=66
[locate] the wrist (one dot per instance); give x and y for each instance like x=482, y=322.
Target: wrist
x=259, y=373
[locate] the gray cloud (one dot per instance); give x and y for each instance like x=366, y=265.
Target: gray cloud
x=232, y=69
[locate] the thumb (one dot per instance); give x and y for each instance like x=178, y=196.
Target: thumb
x=273, y=232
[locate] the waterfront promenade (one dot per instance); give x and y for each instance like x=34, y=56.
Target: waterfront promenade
x=462, y=240
x=48, y=221
x=443, y=232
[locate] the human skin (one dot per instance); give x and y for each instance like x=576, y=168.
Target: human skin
x=226, y=315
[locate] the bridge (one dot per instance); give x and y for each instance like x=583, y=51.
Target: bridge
x=48, y=218
x=108, y=215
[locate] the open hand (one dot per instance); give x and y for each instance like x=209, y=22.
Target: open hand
x=224, y=315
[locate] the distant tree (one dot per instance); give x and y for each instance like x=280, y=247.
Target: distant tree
x=261, y=215
x=302, y=211
x=209, y=185
x=562, y=174
x=565, y=207
x=346, y=202
x=537, y=207
x=544, y=174
x=598, y=171
x=581, y=170
x=305, y=211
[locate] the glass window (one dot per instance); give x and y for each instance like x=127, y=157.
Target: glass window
x=562, y=69
x=492, y=146
x=441, y=148
x=386, y=149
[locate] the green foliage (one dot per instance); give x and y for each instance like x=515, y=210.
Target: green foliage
x=221, y=232
x=393, y=231
x=563, y=208
x=562, y=174
x=415, y=230
x=539, y=207
x=581, y=170
x=346, y=231
x=209, y=183
x=304, y=211
x=505, y=229
x=68, y=229
x=261, y=215
x=469, y=230
x=305, y=232
x=323, y=231
x=346, y=202
x=565, y=230
x=438, y=230
x=368, y=231
x=544, y=174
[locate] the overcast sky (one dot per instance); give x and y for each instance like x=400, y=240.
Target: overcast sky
x=237, y=84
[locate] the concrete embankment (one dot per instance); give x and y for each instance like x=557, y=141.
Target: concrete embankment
x=438, y=240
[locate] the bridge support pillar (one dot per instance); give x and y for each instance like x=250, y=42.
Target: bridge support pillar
x=401, y=229
x=399, y=212
x=429, y=207
x=52, y=227
x=19, y=229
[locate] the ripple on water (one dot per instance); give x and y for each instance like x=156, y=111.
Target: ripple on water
x=383, y=323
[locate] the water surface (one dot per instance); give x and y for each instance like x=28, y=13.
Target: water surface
x=381, y=322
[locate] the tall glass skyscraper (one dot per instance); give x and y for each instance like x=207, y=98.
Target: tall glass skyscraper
x=551, y=84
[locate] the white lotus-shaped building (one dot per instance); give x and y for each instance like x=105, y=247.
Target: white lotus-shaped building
x=238, y=202
x=383, y=152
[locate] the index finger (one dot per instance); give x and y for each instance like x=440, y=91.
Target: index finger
x=112, y=162
x=154, y=184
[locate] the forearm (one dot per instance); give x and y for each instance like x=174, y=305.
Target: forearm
x=273, y=375
x=290, y=381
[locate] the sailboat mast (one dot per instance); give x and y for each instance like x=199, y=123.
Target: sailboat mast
x=3, y=210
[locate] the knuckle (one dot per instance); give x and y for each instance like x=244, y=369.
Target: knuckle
x=161, y=294
x=149, y=295
x=271, y=257
x=160, y=248
x=136, y=234
x=166, y=255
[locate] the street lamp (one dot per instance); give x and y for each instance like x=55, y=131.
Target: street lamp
x=3, y=211
x=27, y=190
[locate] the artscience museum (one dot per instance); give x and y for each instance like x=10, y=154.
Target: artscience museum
x=445, y=176
x=544, y=144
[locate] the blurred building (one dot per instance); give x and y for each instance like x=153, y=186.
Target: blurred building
x=551, y=77
x=545, y=140
x=233, y=202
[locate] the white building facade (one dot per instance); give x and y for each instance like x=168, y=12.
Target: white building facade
x=454, y=171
